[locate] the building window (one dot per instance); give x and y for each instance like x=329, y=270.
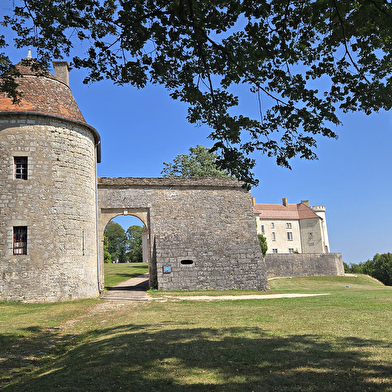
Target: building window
x=274, y=250
x=262, y=229
x=20, y=240
x=288, y=225
x=20, y=165
x=272, y=225
x=291, y=250
x=273, y=236
x=289, y=236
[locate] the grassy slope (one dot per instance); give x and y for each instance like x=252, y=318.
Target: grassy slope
x=339, y=342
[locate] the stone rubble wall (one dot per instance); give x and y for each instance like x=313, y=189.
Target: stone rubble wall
x=304, y=264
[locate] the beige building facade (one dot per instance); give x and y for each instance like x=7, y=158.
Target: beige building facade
x=292, y=228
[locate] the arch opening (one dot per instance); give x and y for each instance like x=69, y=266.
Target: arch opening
x=125, y=240
x=130, y=242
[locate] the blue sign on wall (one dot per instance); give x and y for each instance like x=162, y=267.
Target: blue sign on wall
x=167, y=269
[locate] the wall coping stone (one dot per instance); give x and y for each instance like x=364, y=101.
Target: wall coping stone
x=164, y=182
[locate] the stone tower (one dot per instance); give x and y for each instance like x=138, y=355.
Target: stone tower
x=320, y=211
x=48, y=211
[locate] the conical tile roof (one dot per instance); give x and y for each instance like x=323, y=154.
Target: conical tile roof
x=42, y=94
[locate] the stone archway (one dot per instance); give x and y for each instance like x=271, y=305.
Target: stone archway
x=201, y=231
x=107, y=214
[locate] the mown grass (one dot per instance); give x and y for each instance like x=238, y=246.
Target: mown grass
x=117, y=273
x=338, y=342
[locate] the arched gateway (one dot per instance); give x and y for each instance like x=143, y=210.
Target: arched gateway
x=201, y=231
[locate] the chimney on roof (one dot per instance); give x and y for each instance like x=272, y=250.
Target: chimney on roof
x=61, y=71
x=253, y=201
x=306, y=202
x=284, y=201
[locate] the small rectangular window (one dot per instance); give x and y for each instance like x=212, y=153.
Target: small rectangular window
x=262, y=229
x=288, y=225
x=272, y=225
x=273, y=236
x=20, y=167
x=274, y=250
x=289, y=236
x=291, y=250
x=20, y=240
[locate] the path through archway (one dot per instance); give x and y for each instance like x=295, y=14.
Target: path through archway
x=125, y=247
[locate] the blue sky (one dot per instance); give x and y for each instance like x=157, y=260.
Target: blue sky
x=140, y=129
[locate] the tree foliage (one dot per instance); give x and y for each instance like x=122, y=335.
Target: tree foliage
x=201, y=162
x=383, y=268
x=116, y=241
x=123, y=246
x=134, y=243
x=302, y=60
x=263, y=244
x=380, y=267
x=107, y=257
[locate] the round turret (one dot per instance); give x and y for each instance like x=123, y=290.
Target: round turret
x=48, y=156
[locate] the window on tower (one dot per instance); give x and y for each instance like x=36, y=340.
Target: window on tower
x=20, y=167
x=20, y=240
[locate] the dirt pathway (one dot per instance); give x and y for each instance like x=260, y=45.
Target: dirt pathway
x=135, y=290
x=130, y=290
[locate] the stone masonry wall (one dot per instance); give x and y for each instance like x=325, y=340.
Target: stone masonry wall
x=201, y=231
x=56, y=203
x=324, y=264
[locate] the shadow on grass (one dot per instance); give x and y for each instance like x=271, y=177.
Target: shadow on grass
x=139, y=358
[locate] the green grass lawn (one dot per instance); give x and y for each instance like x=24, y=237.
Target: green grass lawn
x=117, y=273
x=338, y=342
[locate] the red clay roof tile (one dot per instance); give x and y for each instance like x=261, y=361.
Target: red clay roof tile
x=42, y=94
x=279, y=211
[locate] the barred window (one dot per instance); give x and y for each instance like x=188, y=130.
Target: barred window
x=20, y=164
x=20, y=240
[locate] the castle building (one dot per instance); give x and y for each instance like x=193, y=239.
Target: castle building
x=48, y=192
x=292, y=228
x=54, y=209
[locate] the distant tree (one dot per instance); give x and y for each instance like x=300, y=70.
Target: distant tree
x=106, y=254
x=263, y=244
x=383, y=268
x=116, y=240
x=356, y=268
x=201, y=162
x=380, y=268
x=367, y=267
x=134, y=243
